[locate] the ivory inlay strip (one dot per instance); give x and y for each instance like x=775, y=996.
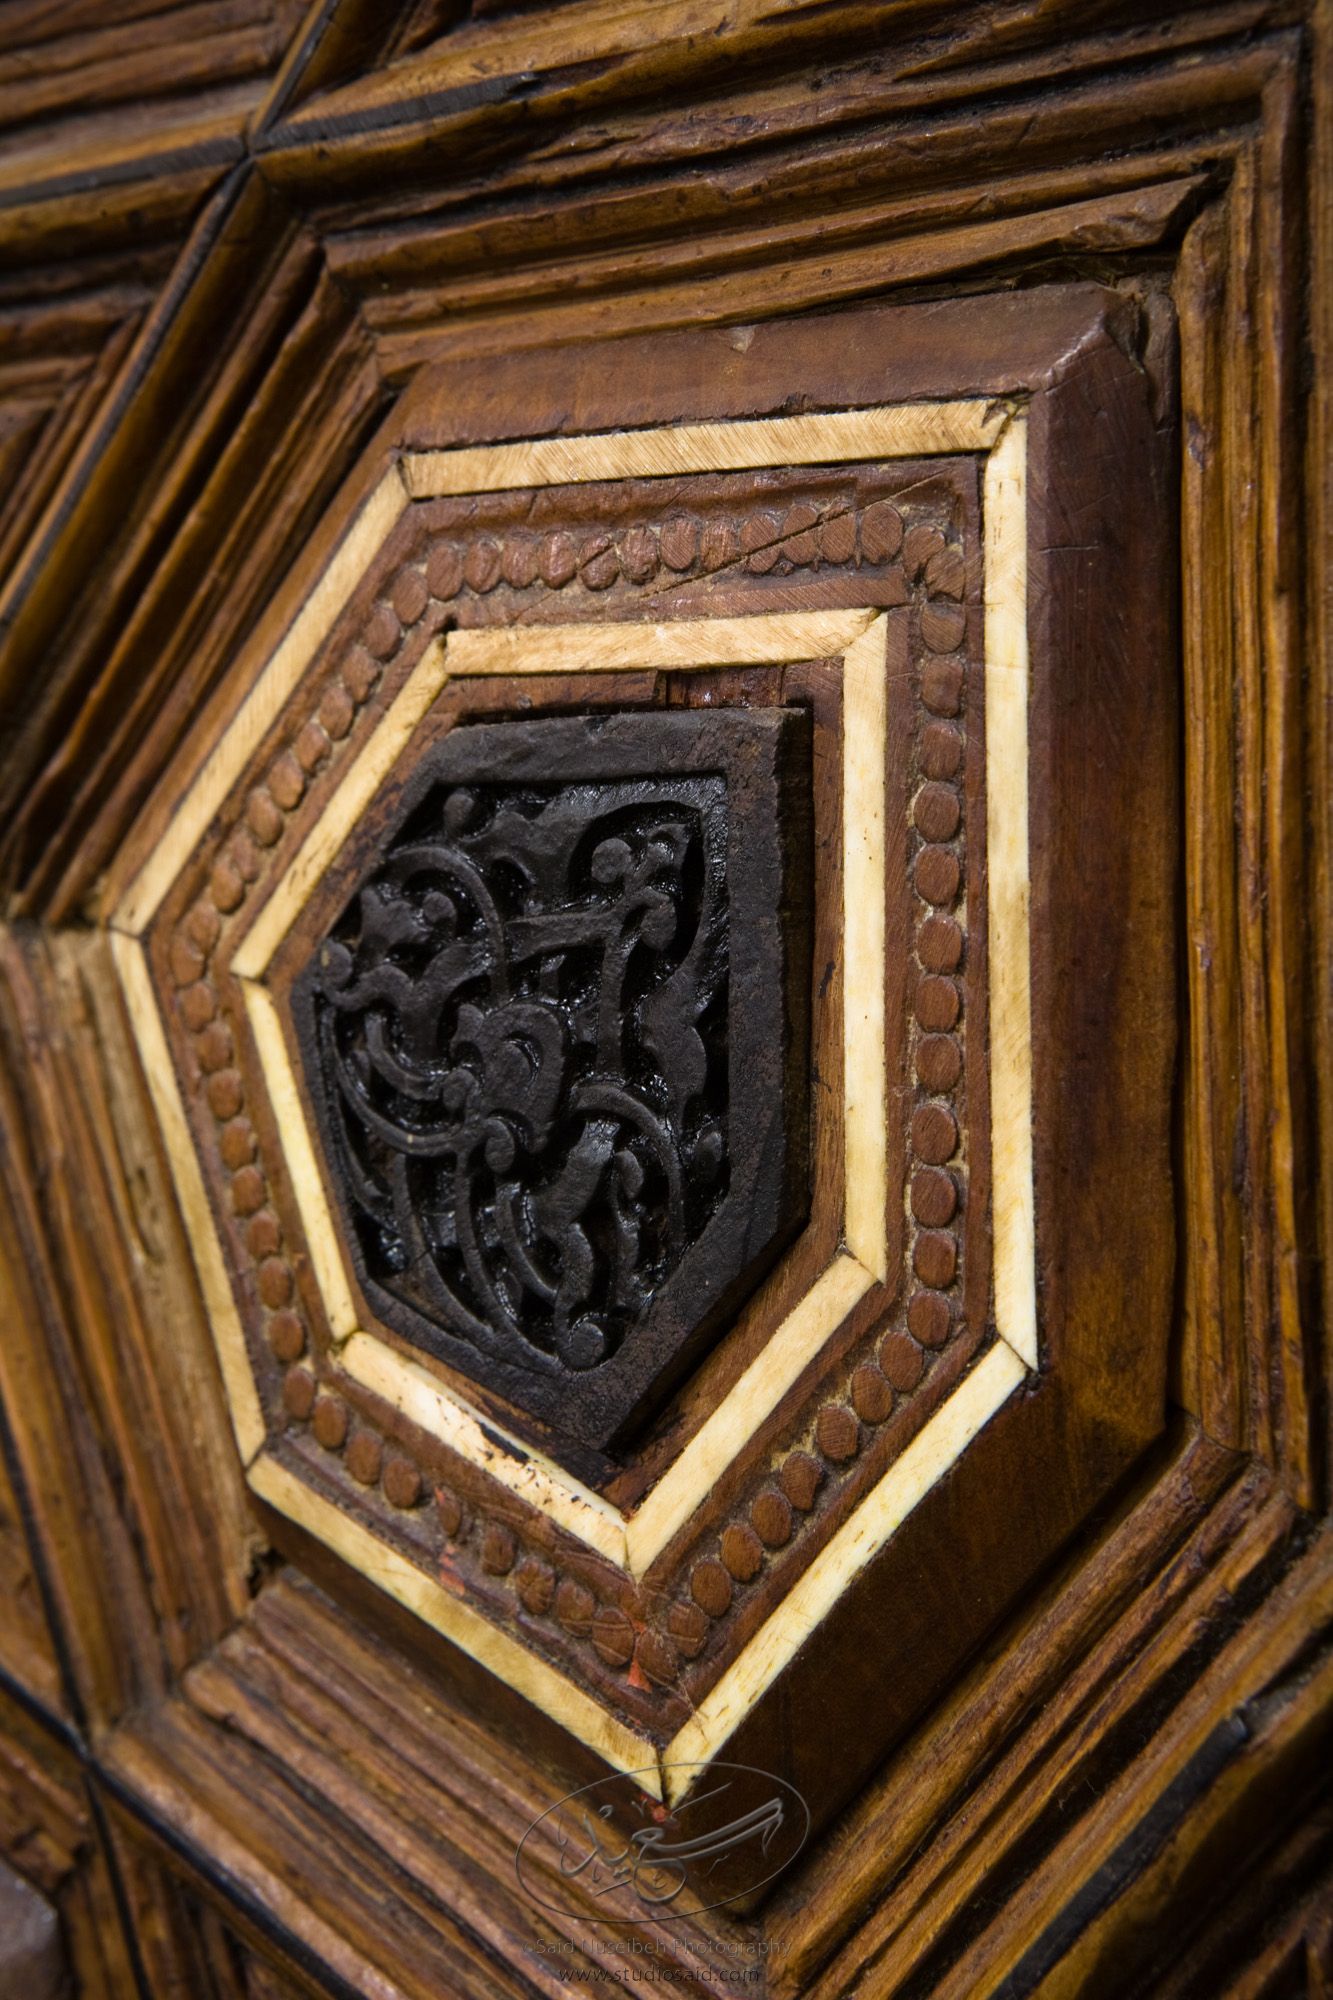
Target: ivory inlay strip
x=898, y=430
x=864, y=747
x=772, y=1372
x=425, y=1401
x=228, y=1335
x=1004, y=502
x=303, y=1165
x=534, y=1678
x=260, y=709
x=935, y=1448
x=677, y=643
x=353, y=795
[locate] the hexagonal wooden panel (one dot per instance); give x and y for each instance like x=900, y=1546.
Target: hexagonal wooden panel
x=959, y=1330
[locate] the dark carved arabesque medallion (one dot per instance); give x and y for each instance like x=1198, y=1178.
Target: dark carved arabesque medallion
x=557, y=1044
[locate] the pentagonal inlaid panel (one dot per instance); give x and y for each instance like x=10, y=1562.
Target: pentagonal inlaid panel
x=557, y=1045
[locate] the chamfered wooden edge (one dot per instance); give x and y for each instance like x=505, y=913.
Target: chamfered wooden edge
x=991, y=345
x=1104, y=847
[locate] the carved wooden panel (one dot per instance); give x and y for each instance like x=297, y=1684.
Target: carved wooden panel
x=663, y=1048
x=431, y=1368
x=558, y=1052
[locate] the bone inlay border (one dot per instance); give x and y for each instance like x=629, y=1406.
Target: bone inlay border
x=913, y=430
x=894, y=430
x=858, y=639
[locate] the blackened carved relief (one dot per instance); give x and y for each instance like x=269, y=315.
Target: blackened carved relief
x=557, y=1045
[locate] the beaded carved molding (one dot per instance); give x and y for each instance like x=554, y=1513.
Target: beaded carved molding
x=861, y=570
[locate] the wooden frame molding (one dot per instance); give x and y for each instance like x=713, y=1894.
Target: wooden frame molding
x=853, y=638
x=676, y=1593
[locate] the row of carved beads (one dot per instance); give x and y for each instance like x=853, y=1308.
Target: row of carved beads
x=937, y=1039
x=761, y=542
x=238, y=866
x=362, y=1449
x=495, y=1546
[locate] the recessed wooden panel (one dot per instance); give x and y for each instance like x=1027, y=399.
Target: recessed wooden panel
x=659, y=1595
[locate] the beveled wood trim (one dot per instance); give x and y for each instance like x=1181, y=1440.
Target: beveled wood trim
x=289, y=661
x=228, y=1335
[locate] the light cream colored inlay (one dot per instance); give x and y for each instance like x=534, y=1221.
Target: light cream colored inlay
x=354, y=794
x=894, y=430
x=862, y=1535
x=562, y=649
x=1004, y=501
x=302, y=1162
x=263, y=704
x=542, y=1684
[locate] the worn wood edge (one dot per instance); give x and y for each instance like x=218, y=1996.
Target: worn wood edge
x=160, y=1326
x=534, y=1678
x=1004, y=510
x=1237, y=1678
x=139, y=1778
x=298, y=1721
x=926, y=1461
x=1087, y=1624
x=813, y=281
x=1258, y=1766
x=1212, y=1371
x=935, y=1838
x=279, y=676
x=1292, y=942
x=895, y=430
x=228, y=1335
x=254, y=955
x=1320, y=473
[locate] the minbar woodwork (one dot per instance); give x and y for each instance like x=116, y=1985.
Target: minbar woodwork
x=938, y=396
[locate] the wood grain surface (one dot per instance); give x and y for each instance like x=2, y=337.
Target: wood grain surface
x=1068, y=1733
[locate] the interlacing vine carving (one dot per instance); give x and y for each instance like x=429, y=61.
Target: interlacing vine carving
x=521, y=1027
